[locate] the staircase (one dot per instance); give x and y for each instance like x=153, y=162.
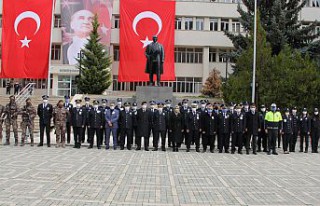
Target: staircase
x=25, y=93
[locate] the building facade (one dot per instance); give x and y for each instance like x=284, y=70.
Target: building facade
x=200, y=45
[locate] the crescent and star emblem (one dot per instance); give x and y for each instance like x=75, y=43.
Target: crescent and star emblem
x=24, y=15
x=146, y=15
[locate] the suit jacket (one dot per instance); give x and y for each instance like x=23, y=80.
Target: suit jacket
x=45, y=113
x=210, y=123
x=69, y=107
x=305, y=124
x=253, y=123
x=224, y=123
x=113, y=117
x=287, y=124
x=238, y=122
x=160, y=121
x=87, y=110
x=194, y=122
x=78, y=117
x=143, y=119
x=126, y=120
x=96, y=118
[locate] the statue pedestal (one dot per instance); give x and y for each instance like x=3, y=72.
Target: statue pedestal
x=148, y=93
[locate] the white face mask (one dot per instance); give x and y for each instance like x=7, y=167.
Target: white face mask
x=78, y=105
x=263, y=109
x=127, y=108
x=316, y=113
x=104, y=104
x=87, y=103
x=294, y=111
x=231, y=108
x=45, y=101
x=185, y=104
x=111, y=107
x=238, y=110
x=203, y=106
x=287, y=113
x=144, y=106
x=253, y=109
x=160, y=109
x=134, y=108
x=96, y=106
x=168, y=105
x=246, y=107
x=194, y=109
x=304, y=113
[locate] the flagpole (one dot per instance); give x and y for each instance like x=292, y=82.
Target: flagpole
x=254, y=53
x=49, y=65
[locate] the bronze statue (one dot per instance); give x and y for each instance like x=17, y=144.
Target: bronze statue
x=155, y=59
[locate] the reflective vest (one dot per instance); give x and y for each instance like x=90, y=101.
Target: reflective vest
x=273, y=120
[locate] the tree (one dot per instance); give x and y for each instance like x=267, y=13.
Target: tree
x=213, y=84
x=280, y=19
x=95, y=69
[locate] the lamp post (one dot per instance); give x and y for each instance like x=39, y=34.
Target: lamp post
x=80, y=56
x=254, y=52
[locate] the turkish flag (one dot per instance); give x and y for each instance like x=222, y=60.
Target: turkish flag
x=140, y=21
x=26, y=33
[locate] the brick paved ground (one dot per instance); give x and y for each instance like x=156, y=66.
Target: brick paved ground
x=50, y=176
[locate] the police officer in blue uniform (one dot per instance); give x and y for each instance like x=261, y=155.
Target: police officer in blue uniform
x=160, y=127
x=78, y=121
x=87, y=107
x=69, y=107
x=287, y=130
x=126, y=126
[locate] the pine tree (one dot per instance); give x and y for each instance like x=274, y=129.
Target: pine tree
x=280, y=19
x=213, y=84
x=95, y=69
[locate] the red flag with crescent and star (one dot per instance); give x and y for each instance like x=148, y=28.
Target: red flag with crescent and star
x=26, y=33
x=140, y=21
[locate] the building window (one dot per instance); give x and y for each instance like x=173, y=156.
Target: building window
x=55, y=52
x=188, y=55
x=213, y=24
x=224, y=24
x=57, y=21
x=116, y=22
x=199, y=24
x=116, y=53
x=188, y=23
x=178, y=23
x=236, y=26
x=212, y=55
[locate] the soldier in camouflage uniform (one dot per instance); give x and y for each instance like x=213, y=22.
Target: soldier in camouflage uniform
x=2, y=117
x=28, y=113
x=60, y=114
x=11, y=111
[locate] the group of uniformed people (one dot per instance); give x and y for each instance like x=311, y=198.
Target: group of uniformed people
x=192, y=124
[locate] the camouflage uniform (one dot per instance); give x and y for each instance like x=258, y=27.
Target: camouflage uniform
x=60, y=120
x=2, y=117
x=28, y=114
x=12, y=114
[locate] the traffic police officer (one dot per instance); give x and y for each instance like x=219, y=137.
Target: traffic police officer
x=273, y=120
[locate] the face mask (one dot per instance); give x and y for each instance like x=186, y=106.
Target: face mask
x=160, y=109
x=224, y=110
x=231, y=108
x=304, y=113
x=104, y=104
x=95, y=106
x=112, y=107
x=263, y=109
x=253, y=109
x=67, y=101
x=316, y=113
x=153, y=106
x=168, y=105
x=134, y=108
x=194, y=109
x=294, y=111
x=144, y=106
x=203, y=106
x=119, y=104
x=176, y=110
x=78, y=105
x=287, y=113
x=210, y=110
x=185, y=105
x=238, y=110
x=45, y=101
x=87, y=103
x=246, y=107
x=127, y=108
x=273, y=109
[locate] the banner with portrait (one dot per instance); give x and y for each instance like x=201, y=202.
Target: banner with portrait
x=76, y=19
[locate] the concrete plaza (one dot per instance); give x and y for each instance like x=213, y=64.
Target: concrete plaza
x=56, y=176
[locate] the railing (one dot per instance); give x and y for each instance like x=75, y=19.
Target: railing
x=25, y=93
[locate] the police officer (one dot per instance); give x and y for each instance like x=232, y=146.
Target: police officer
x=87, y=109
x=69, y=107
x=315, y=131
x=238, y=128
x=305, y=127
x=126, y=126
x=143, y=122
x=176, y=127
x=287, y=130
x=160, y=127
x=273, y=120
x=253, y=122
x=295, y=128
x=203, y=111
x=78, y=121
x=168, y=109
x=224, y=129
x=119, y=105
x=60, y=114
x=193, y=127
x=153, y=110
x=209, y=128
x=96, y=119
x=104, y=109
x=184, y=110
x=134, y=111
x=111, y=121
x=44, y=112
x=28, y=113
x=2, y=118
x=262, y=138
x=12, y=110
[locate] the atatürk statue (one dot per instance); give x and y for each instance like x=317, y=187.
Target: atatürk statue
x=155, y=59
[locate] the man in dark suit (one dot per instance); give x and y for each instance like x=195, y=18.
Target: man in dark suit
x=160, y=127
x=126, y=126
x=44, y=112
x=143, y=118
x=69, y=107
x=95, y=124
x=193, y=128
x=78, y=121
x=153, y=110
x=238, y=128
x=86, y=108
x=184, y=110
x=224, y=129
x=209, y=128
x=168, y=109
x=253, y=126
x=111, y=119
